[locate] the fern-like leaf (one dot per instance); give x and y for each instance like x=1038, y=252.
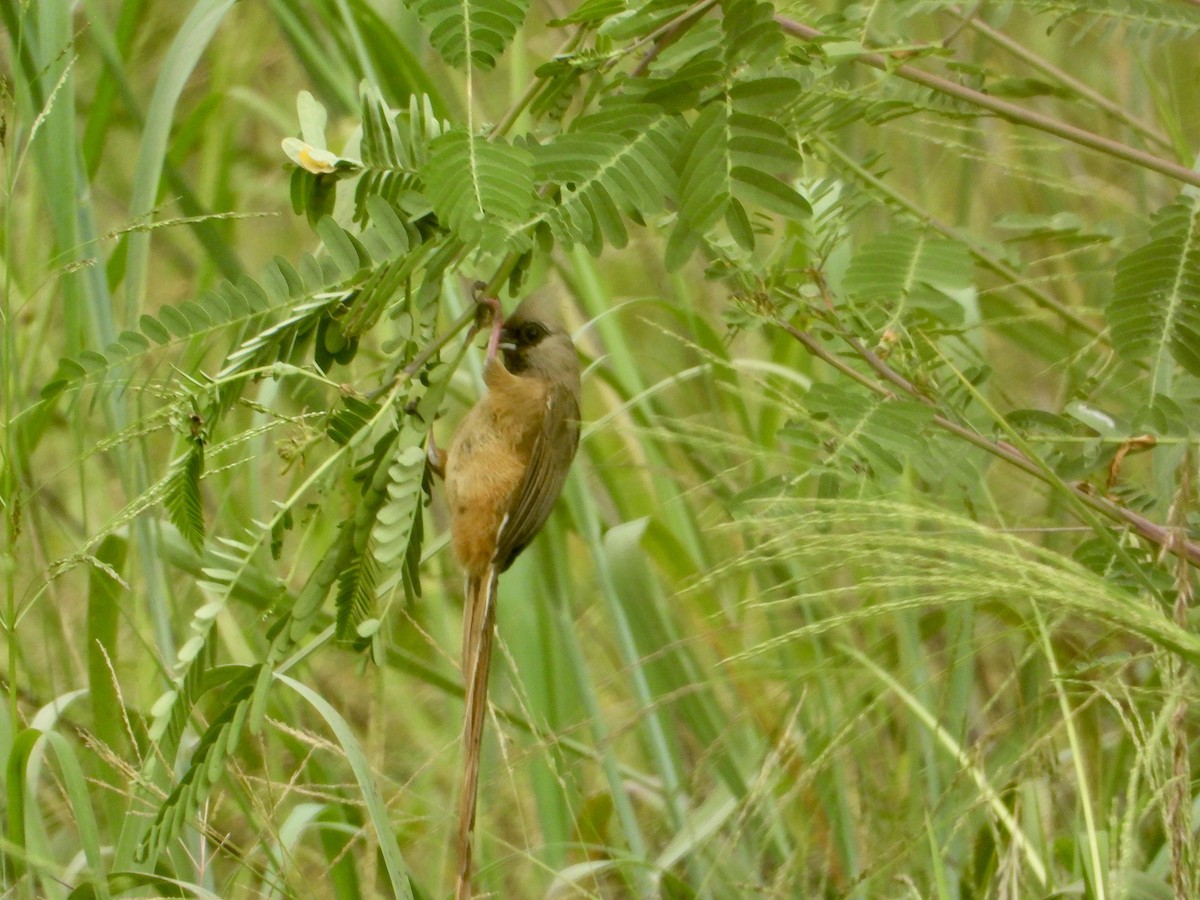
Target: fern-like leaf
x=207, y=764
x=192, y=675
x=752, y=36
x=471, y=32
x=1136, y=18
x=1155, y=308
x=902, y=273
x=612, y=165
x=300, y=293
x=398, y=530
x=735, y=147
x=182, y=498
x=394, y=146
x=477, y=187
x=351, y=417
x=726, y=161
x=872, y=433
x=359, y=572
x=355, y=599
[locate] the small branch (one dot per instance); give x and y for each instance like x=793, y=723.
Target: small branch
x=986, y=259
x=531, y=91
x=442, y=340
x=1010, y=112
x=1169, y=540
x=668, y=33
x=418, y=361
x=1105, y=105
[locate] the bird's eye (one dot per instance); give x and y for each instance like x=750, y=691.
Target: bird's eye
x=531, y=332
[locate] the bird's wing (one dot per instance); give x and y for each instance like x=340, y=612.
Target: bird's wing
x=553, y=449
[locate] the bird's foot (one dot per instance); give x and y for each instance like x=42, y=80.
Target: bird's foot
x=490, y=307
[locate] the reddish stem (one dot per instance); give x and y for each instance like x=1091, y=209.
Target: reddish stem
x=497, y=326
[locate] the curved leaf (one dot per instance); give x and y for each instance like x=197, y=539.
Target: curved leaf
x=389, y=849
x=207, y=765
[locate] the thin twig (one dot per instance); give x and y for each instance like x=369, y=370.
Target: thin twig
x=986, y=259
x=1168, y=539
x=441, y=341
x=531, y=91
x=1105, y=105
x=1010, y=112
x=668, y=33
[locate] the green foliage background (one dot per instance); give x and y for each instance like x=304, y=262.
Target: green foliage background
x=875, y=574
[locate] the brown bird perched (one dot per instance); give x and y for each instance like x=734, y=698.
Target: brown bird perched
x=505, y=468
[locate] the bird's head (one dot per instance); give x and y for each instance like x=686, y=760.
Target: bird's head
x=534, y=342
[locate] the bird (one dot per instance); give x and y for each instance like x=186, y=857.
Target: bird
x=505, y=468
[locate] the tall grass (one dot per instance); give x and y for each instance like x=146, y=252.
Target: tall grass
x=735, y=663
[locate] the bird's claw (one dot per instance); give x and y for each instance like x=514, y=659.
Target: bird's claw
x=487, y=310
x=436, y=457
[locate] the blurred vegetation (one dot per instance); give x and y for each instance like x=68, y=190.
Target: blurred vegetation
x=874, y=576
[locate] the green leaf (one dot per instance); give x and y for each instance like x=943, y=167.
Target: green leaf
x=874, y=431
x=182, y=498
x=590, y=12
x=612, y=165
x=103, y=648
x=704, y=187
x=766, y=95
x=901, y=272
x=78, y=795
x=394, y=146
x=769, y=192
x=123, y=883
x=154, y=329
x=364, y=775
x=207, y=762
x=1027, y=87
x=175, y=321
x=730, y=155
x=175, y=71
x=355, y=599
x=471, y=32
x=343, y=247
x=133, y=342
x=477, y=186
x=1154, y=314
x=645, y=19
x=399, y=528
x=752, y=36
x=354, y=415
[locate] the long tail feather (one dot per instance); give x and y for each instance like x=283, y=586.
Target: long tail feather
x=479, y=621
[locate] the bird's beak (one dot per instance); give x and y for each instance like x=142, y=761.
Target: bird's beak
x=507, y=345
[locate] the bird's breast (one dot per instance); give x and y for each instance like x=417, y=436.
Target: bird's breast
x=487, y=462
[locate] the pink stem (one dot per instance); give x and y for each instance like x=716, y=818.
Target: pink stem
x=497, y=327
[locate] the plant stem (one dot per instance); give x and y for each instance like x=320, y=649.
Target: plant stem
x=1168, y=540
x=1107, y=106
x=1010, y=112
